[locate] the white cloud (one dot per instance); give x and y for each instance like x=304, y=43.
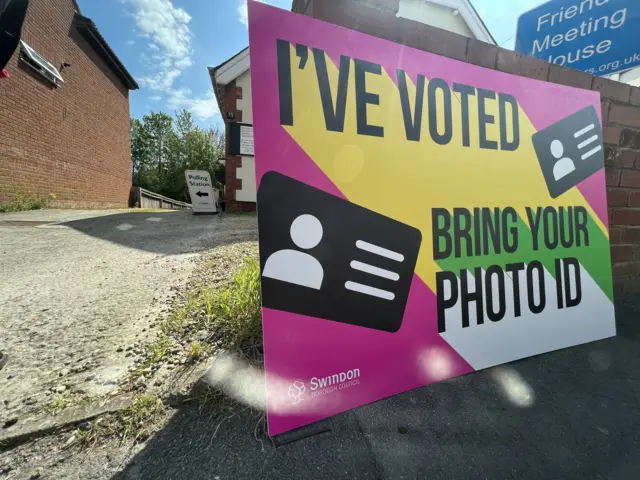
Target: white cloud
x=168, y=54
x=167, y=29
x=243, y=13
x=131, y=43
x=203, y=108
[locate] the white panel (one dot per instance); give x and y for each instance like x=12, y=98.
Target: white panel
x=631, y=77
x=244, y=104
x=494, y=343
x=247, y=173
x=436, y=15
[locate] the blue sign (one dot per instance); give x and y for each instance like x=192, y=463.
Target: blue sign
x=596, y=36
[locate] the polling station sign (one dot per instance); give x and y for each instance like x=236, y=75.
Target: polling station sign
x=419, y=217
x=596, y=36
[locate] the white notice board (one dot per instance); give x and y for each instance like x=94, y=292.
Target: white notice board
x=246, y=140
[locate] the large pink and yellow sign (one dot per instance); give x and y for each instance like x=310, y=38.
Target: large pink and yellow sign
x=420, y=218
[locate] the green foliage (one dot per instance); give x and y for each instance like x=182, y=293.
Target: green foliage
x=198, y=350
x=163, y=148
x=237, y=306
x=21, y=202
x=156, y=352
x=58, y=404
x=136, y=422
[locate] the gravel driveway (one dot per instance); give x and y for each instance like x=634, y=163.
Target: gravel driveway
x=78, y=290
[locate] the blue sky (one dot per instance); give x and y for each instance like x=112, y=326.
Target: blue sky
x=167, y=45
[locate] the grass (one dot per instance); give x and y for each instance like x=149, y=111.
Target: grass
x=21, y=202
x=198, y=350
x=156, y=352
x=58, y=404
x=135, y=422
x=231, y=312
x=237, y=307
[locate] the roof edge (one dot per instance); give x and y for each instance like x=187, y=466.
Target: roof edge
x=90, y=32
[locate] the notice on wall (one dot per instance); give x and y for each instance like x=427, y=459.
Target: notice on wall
x=203, y=198
x=420, y=218
x=246, y=140
x=241, y=139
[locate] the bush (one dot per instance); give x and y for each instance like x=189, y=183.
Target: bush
x=237, y=307
x=21, y=202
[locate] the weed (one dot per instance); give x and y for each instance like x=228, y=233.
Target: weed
x=198, y=350
x=21, y=202
x=156, y=352
x=182, y=315
x=176, y=322
x=134, y=422
x=237, y=307
x=135, y=418
x=158, y=349
x=58, y=404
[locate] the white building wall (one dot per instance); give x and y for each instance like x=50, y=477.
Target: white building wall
x=632, y=77
x=244, y=104
x=247, y=173
x=434, y=15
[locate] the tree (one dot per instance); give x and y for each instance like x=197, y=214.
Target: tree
x=162, y=148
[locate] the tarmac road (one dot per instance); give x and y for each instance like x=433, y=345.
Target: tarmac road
x=571, y=414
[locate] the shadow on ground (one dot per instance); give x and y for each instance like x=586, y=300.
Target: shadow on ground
x=167, y=233
x=569, y=414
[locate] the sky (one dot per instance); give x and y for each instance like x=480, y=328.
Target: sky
x=167, y=45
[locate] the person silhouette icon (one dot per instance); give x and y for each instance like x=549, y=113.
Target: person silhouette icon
x=293, y=266
x=564, y=166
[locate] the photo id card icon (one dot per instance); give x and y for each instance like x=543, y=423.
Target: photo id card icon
x=325, y=257
x=569, y=151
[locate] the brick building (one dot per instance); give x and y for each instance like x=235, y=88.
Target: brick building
x=64, y=123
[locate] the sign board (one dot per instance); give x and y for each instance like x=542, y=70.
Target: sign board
x=241, y=139
x=201, y=191
x=246, y=140
x=491, y=244
x=596, y=36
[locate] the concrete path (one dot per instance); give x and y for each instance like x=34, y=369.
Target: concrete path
x=78, y=289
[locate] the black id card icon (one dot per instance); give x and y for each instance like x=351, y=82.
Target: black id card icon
x=569, y=151
x=325, y=257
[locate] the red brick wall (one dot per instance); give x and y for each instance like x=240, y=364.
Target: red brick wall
x=230, y=96
x=73, y=140
x=620, y=108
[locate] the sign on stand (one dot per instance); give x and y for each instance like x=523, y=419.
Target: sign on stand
x=489, y=245
x=201, y=191
x=596, y=36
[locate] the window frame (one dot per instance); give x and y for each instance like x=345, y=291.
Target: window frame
x=40, y=64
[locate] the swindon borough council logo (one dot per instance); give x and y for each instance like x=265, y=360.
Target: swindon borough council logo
x=296, y=390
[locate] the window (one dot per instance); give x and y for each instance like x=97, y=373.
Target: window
x=39, y=63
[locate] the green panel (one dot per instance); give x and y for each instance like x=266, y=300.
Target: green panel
x=595, y=259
